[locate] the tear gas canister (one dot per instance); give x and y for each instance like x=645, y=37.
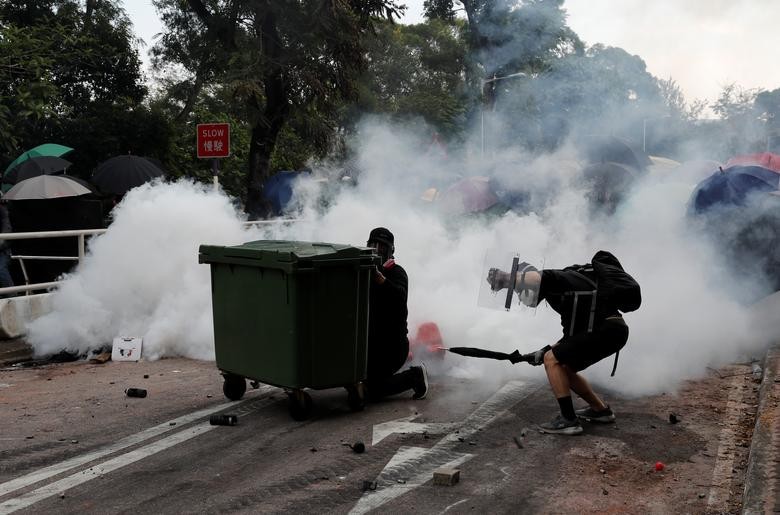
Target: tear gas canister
x=135, y=392
x=223, y=420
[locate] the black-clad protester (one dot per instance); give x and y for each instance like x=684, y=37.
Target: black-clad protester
x=5, y=249
x=589, y=299
x=388, y=344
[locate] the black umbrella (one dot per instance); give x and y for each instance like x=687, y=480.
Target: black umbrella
x=35, y=166
x=616, y=150
x=474, y=352
x=120, y=174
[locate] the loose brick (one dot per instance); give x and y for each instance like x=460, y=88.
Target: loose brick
x=446, y=476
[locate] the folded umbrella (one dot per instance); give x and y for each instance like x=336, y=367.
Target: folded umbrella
x=474, y=352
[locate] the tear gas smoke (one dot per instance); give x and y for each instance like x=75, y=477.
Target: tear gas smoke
x=142, y=277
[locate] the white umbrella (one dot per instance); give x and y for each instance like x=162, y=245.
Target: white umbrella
x=46, y=187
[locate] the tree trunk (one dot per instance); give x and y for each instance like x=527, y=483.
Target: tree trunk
x=192, y=97
x=267, y=128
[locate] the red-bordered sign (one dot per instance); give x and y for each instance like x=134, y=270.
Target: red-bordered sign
x=213, y=140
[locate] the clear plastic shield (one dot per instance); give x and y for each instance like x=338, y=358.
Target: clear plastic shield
x=508, y=280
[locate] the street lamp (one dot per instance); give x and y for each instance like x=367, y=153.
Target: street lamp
x=484, y=83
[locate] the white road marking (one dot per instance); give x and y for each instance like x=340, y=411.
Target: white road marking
x=448, y=508
x=422, y=462
x=388, y=490
x=405, y=425
x=57, y=487
x=129, y=441
x=717, y=502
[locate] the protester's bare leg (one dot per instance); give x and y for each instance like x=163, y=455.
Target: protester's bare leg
x=556, y=375
x=581, y=387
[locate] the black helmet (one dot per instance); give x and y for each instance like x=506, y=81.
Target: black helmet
x=382, y=235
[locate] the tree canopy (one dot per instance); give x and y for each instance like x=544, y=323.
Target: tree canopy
x=70, y=73
x=289, y=65
x=295, y=78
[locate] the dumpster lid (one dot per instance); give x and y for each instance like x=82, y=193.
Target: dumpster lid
x=283, y=251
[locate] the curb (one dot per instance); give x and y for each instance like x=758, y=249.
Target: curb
x=17, y=312
x=761, y=478
x=14, y=351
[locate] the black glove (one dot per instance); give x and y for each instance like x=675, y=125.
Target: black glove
x=537, y=358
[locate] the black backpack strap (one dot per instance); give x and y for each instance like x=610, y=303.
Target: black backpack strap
x=592, y=294
x=614, y=366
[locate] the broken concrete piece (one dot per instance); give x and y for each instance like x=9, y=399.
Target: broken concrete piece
x=446, y=476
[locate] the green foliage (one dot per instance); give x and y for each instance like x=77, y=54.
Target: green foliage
x=746, y=119
x=605, y=90
x=288, y=69
x=70, y=73
x=417, y=71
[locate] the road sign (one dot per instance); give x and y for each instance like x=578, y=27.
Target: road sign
x=213, y=140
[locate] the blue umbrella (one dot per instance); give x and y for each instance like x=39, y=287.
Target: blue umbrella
x=278, y=189
x=732, y=187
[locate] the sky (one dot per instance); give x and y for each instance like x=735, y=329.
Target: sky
x=702, y=44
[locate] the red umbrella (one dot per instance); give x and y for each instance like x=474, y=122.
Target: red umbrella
x=469, y=195
x=764, y=159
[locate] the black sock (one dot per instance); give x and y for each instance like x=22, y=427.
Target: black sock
x=567, y=407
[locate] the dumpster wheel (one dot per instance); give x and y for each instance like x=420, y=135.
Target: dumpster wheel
x=234, y=387
x=356, y=396
x=299, y=404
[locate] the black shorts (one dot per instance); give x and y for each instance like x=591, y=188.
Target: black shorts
x=580, y=351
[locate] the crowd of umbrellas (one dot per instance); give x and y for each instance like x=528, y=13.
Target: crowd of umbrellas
x=736, y=203
x=42, y=173
x=609, y=170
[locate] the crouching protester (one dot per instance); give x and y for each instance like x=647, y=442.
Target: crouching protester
x=388, y=343
x=589, y=299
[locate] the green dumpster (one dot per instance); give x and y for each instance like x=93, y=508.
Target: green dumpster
x=292, y=314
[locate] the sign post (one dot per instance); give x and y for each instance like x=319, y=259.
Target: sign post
x=213, y=142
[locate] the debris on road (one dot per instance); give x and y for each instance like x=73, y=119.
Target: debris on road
x=369, y=485
x=446, y=476
x=136, y=392
x=358, y=447
x=659, y=466
x=101, y=358
x=518, y=442
x=673, y=418
x=223, y=420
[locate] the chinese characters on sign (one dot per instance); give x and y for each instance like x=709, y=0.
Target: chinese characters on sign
x=213, y=140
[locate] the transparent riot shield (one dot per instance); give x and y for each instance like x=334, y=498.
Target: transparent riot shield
x=507, y=279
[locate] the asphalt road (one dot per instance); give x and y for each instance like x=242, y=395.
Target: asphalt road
x=71, y=441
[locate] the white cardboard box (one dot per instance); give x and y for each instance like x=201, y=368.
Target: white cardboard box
x=126, y=349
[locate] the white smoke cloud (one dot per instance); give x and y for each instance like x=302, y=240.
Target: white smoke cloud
x=142, y=277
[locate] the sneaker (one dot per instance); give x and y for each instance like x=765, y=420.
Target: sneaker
x=561, y=426
x=602, y=417
x=421, y=386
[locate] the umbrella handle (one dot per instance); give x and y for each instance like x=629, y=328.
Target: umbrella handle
x=512, y=279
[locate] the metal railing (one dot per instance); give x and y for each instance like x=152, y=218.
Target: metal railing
x=81, y=235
